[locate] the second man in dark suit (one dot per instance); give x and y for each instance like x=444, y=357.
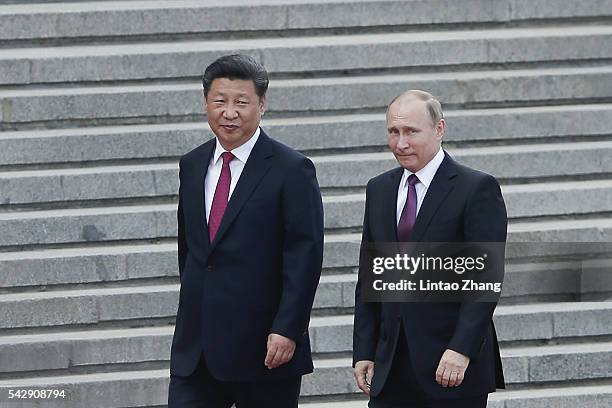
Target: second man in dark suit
x=425, y=354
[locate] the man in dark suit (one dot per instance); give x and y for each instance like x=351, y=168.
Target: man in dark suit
x=250, y=249
x=426, y=354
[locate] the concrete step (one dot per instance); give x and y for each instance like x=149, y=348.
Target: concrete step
x=598, y=396
x=342, y=170
x=135, y=264
x=120, y=102
x=171, y=140
x=142, y=260
x=515, y=323
x=141, y=18
x=157, y=221
x=187, y=59
x=336, y=291
x=341, y=211
x=532, y=281
x=92, y=306
x=536, y=364
x=332, y=376
x=79, y=349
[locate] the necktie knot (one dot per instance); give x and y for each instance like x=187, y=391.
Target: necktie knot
x=413, y=179
x=227, y=157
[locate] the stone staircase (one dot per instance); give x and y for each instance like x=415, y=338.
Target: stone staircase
x=98, y=100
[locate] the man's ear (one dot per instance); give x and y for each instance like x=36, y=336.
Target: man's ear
x=440, y=128
x=263, y=104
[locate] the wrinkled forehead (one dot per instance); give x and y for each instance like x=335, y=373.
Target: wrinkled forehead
x=408, y=109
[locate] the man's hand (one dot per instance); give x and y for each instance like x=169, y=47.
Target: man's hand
x=280, y=350
x=363, y=372
x=451, y=369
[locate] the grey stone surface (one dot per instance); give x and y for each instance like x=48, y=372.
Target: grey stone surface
x=304, y=54
x=102, y=264
x=354, y=170
x=117, y=263
x=62, y=226
x=572, y=363
x=106, y=390
x=75, y=266
x=349, y=170
x=75, y=349
x=570, y=397
x=89, y=184
x=330, y=377
x=524, y=326
x=88, y=306
x=466, y=88
x=580, y=322
x=544, y=278
x=30, y=312
x=552, y=85
x=310, y=134
x=142, y=18
x=557, y=128
x=129, y=302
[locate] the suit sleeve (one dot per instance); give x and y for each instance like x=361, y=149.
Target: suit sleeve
x=302, y=254
x=367, y=314
x=485, y=221
x=182, y=242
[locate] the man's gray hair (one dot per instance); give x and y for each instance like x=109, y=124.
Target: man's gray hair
x=434, y=107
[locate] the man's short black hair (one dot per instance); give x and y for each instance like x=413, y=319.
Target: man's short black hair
x=237, y=66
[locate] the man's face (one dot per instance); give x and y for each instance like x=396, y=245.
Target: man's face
x=234, y=110
x=412, y=137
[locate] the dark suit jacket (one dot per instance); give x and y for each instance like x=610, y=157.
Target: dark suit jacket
x=260, y=274
x=461, y=205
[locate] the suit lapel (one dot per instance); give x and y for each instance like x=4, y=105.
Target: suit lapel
x=436, y=194
x=390, y=202
x=255, y=168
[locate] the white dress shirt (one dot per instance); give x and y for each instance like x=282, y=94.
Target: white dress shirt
x=425, y=175
x=241, y=155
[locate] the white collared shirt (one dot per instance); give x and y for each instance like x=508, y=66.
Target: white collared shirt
x=425, y=175
x=241, y=154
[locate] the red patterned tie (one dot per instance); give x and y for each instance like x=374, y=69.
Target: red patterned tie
x=221, y=196
x=409, y=213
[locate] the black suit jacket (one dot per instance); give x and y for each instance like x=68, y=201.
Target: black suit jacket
x=260, y=274
x=461, y=205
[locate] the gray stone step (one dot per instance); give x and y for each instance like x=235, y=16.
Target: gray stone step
x=528, y=200
x=102, y=19
x=92, y=306
x=336, y=291
x=332, y=376
x=342, y=170
x=545, y=321
x=567, y=396
x=534, y=280
x=137, y=261
x=159, y=220
x=74, y=349
x=187, y=59
x=524, y=86
x=132, y=263
x=536, y=364
x=327, y=132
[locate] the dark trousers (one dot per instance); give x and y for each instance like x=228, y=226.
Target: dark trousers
x=402, y=390
x=202, y=390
